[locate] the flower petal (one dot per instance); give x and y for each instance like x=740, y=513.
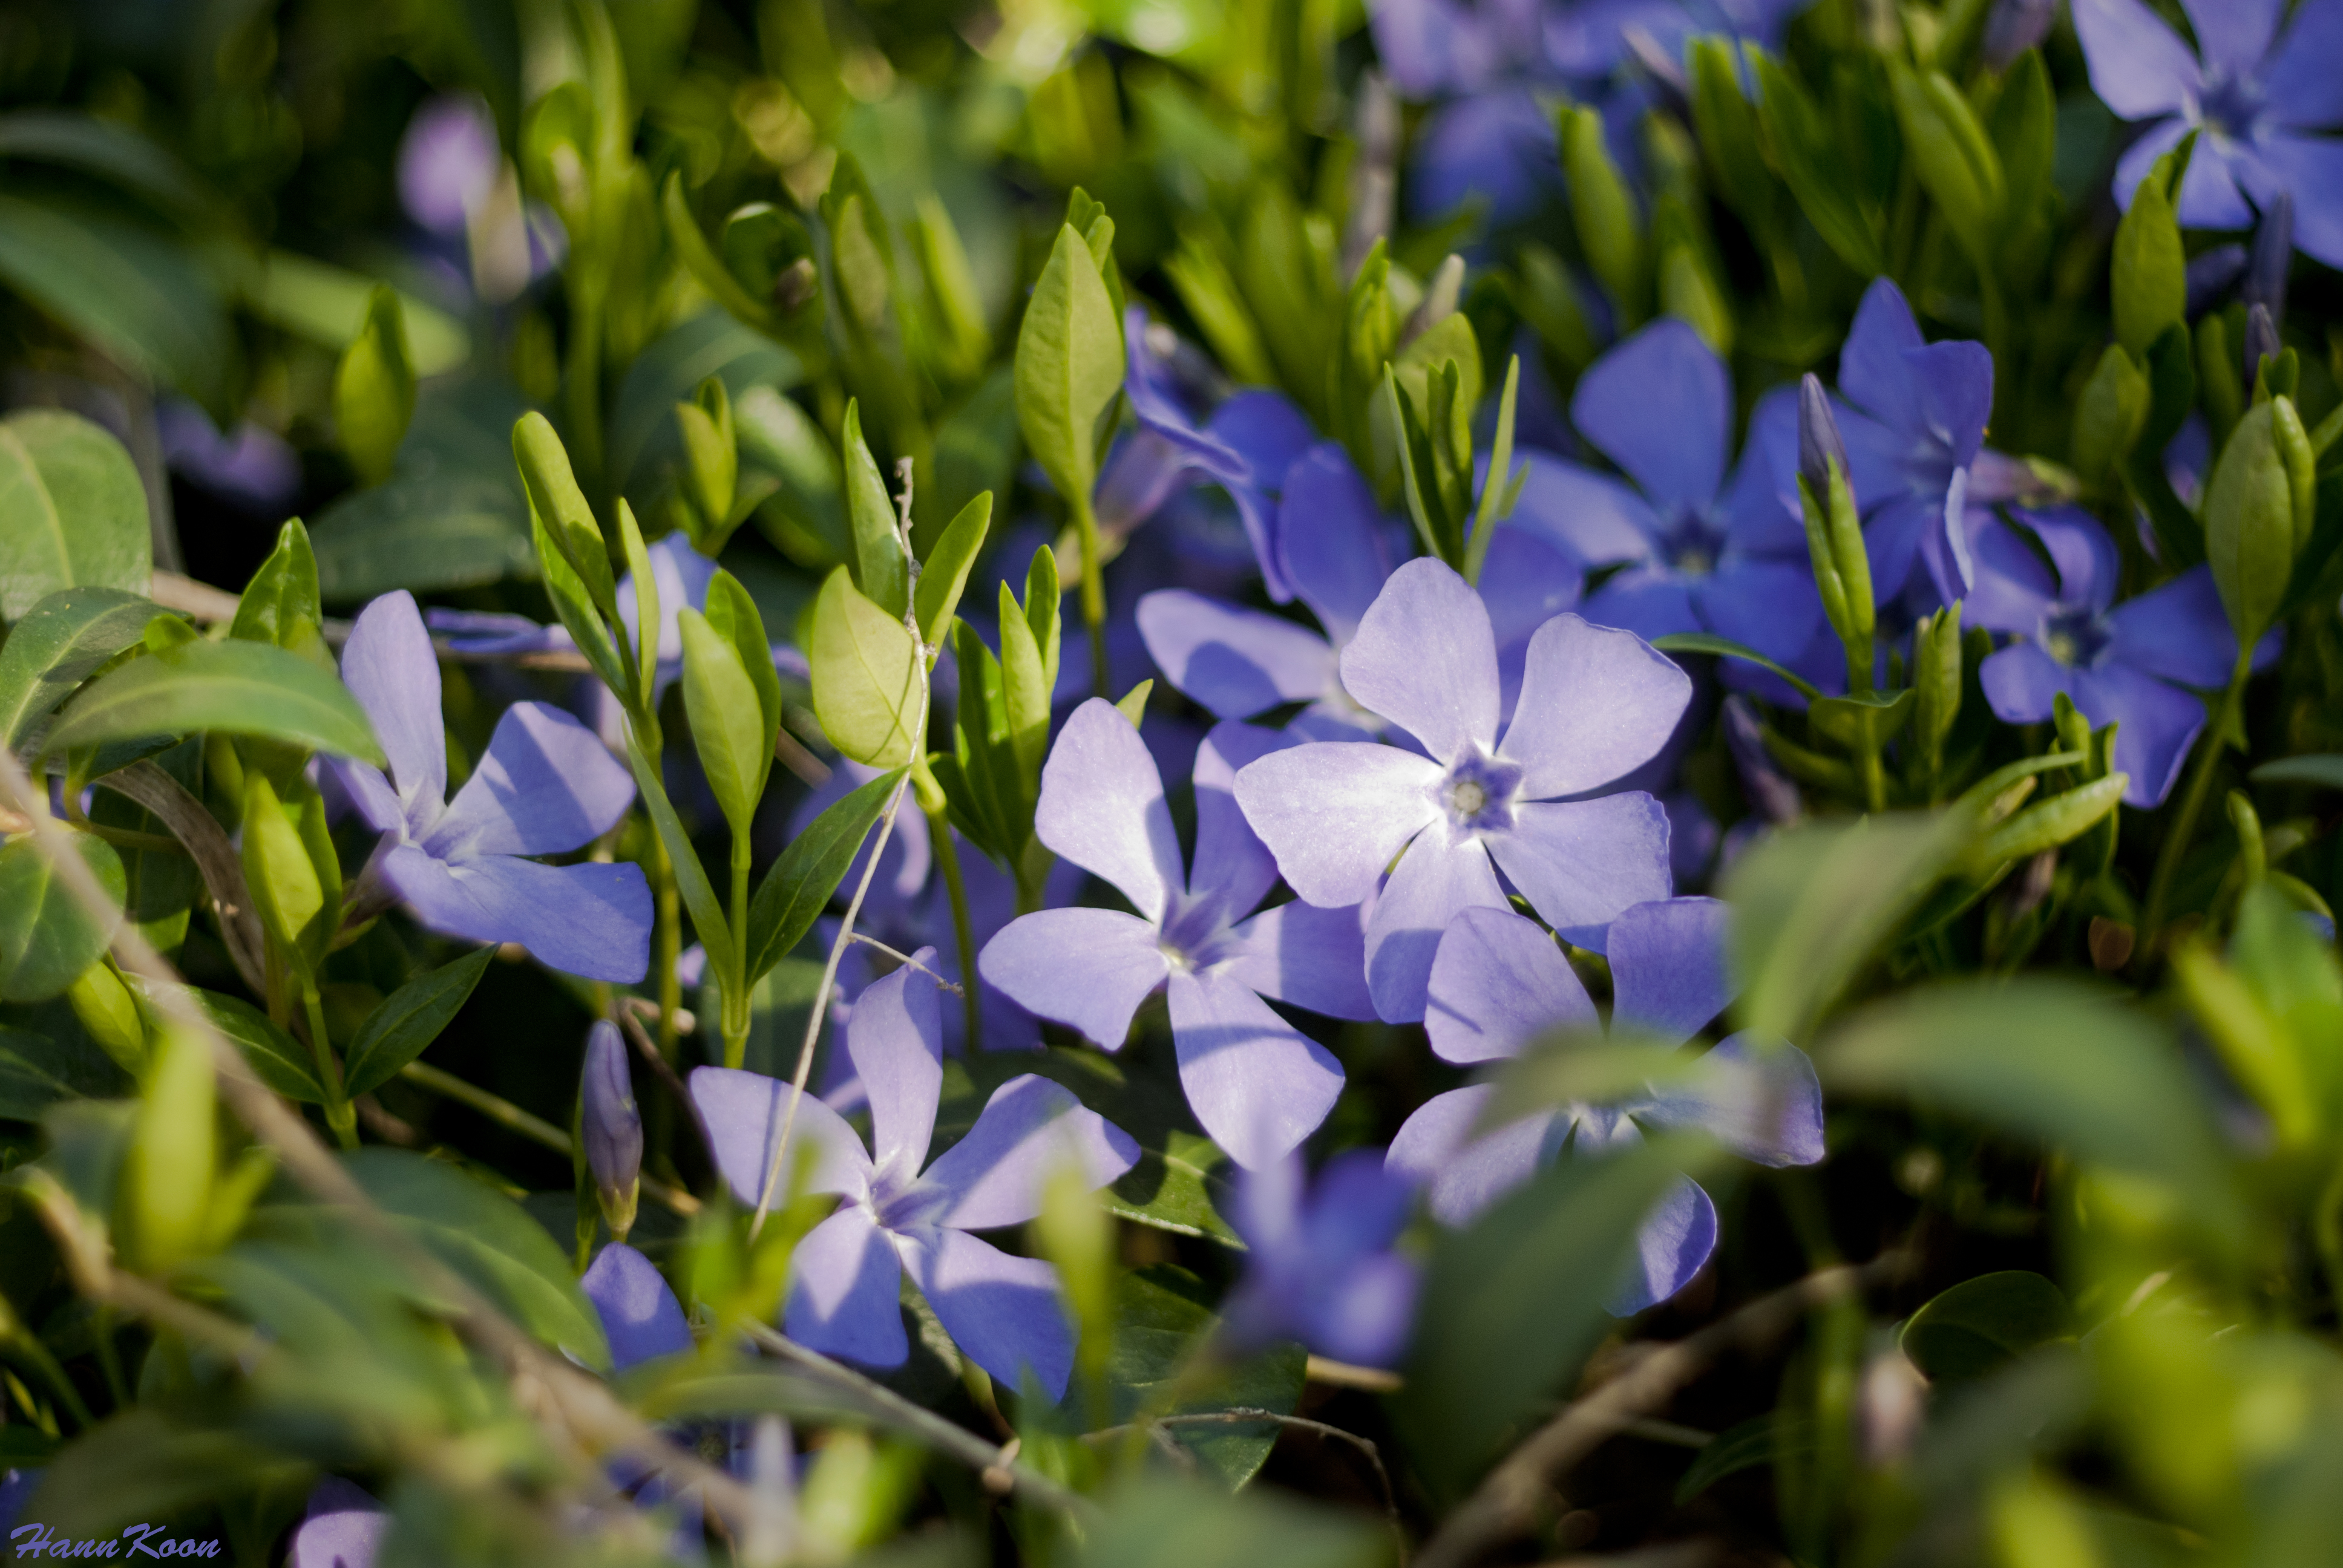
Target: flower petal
x=1330, y=537
x=1874, y=372
x=640, y=1316
x=1591, y=516
x=2177, y=630
x=1650, y=601
x=546, y=786
x=1426, y=659
x=1257, y=1084
x=896, y=1040
x=2156, y=726
x=743, y=1112
x=1763, y=1104
x=1333, y=813
x=1660, y=405
x=390, y=667
x=376, y=801
x=1362, y=1316
x=1027, y=1132
x=1103, y=808
x=2022, y=683
x=2232, y=35
x=1675, y=1241
x=1581, y=862
x=1002, y=1312
x=589, y=920
x=336, y=1538
x=1232, y=865
x=2301, y=86
x=2139, y=66
x=1667, y=968
x=1497, y=145
x=2312, y=168
x=844, y=1285
x=1463, y=1174
x=1087, y=969
x=1437, y=879
x=1498, y=982
x=1595, y=705
x=1307, y=956
x=1234, y=662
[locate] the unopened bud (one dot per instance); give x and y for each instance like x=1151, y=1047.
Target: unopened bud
x=1820, y=445
x=2261, y=341
x=2273, y=255
x=613, y=1127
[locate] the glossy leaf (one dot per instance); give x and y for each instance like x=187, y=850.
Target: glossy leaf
x=799, y=885
x=281, y=603
x=879, y=569
x=60, y=643
x=46, y=938
x=944, y=574
x=1069, y=362
x=232, y=687
x=728, y=723
x=408, y=1019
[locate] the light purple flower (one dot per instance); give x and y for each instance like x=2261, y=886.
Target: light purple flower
x=1589, y=38
x=1002, y=1310
x=345, y=1528
x=640, y=1316
x=250, y=464
x=1595, y=704
x=1500, y=982
x=1246, y=447
x=448, y=161
x=546, y=785
x=1103, y=808
x=2124, y=664
x=1237, y=662
x=610, y=1123
x=2252, y=91
x=1703, y=549
x=1320, y=1267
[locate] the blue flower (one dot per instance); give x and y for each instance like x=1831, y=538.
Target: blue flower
x=1320, y=1269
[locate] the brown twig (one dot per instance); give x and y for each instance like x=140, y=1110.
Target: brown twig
x=1509, y=1500
x=1342, y=1374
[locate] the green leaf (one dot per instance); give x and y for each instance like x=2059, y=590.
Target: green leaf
x=36, y=1071
x=727, y=720
x=408, y=1019
x=2249, y=531
x=1161, y=1319
x=1814, y=166
x=111, y=151
x=1848, y=720
x=1070, y=361
x=281, y=605
x=1949, y=152
x=690, y=875
x=1133, y=704
x=329, y=306
x=2322, y=771
x=1980, y=1325
x=698, y=257
x=1158, y=1521
x=866, y=676
x=374, y=388
x=488, y=1240
x=1512, y=1305
x=944, y=574
x=1610, y=230
x=1027, y=687
x=1496, y=491
x=47, y=939
x=2051, y=1062
x=1757, y=1440
x=425, y=533
x=2149, y=278
x=799, y=885
x=73, y=512
x=234, y=687
x=277, y=1059
x=1726, y=648
x=879, y=569
x=560, y=507
x=58, y=644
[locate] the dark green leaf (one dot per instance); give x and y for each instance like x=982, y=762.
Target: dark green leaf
x=237, y=688
x=73, y=512
x=47, y=939
x=799, y=885
x=1982, y=1324
x=409, y=1019
x=690, y=877
x=109, y=150
x=279, y=1061
x=1755, y=1442
x=36, y=1071
x=57, y=647
x=879, y=569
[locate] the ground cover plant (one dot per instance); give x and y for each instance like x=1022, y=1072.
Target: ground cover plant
x=1151, y=782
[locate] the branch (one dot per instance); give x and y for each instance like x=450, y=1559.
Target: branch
x=1508, y=1501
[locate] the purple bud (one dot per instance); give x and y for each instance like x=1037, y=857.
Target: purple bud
x=2273, y=254
x=2013, y=27
x=1819, y=443
x=2261, y=340
x=2210, y=274
x=613, y=1126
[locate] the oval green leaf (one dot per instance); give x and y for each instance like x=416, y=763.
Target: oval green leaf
x=73, y=512
x=866, y=676
x=408, y=1019
x=237, y=688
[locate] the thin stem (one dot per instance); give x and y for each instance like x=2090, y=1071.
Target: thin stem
x=735, y=1011
x=670, y=944
x=339, y=1115
x=939, y=835
x=1093, y=594
x=534, y=1127
x=909, y=963
x=1873, y=774
x=2192, y=805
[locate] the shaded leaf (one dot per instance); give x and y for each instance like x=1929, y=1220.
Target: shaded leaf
x=1982, y=1324
x=799, y=885
x=57, y=645
x=47, y=939
x=408, y=1019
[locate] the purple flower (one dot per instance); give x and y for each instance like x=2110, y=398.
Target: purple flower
x=1915, y=444
x=1238, y=662
x=1500, y=983
x=2123, y=664
x=612, y=1124
x=1002, y=1310
x=546, y=785
x=1246, y=447
x=1257, y=1085
x=1320, y=1269
x=345, y=1528
x=1587, y=38
x=640, y=1316
x=1594, y=705
x=1702, y=550
x=2252, y=93
x=1492, y=137
x=448, y=161
x=252, y=464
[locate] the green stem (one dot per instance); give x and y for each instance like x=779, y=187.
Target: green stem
x=1093, y=594
x=339, y=1115
x=1875, y=775
x=940, y=834
x=736, y=979
x=2192, y=804
x=669, y=916
x=494, y=1107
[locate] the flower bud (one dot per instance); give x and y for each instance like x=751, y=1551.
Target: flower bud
x=2261, y=341
x=2273, y=254
x=711, y=465
x=2250, y=529
x=1820, y=445
x=613, y=1127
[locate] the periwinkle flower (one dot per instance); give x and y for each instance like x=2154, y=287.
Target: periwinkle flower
x=448, y=160
x=1258, y=1085
x=1237, y=662
x=1320, y=1267
x=1500, y=982
x=2123, y=664
x=1595, y=704
x=1586, y=38
x=1489, y=134
x=640, y=1316
x=611, y=1125
x=2254, y=94
x=2014, y=26
x=546, y=785
x=343, y=1527
x=1701, y=550
x=1244, y=447
x=1002, y=1310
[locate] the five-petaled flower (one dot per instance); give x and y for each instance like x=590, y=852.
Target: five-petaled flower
x=546, y=785
x=1320, y=1267
x=1595, y=704
x=1002, y=1310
